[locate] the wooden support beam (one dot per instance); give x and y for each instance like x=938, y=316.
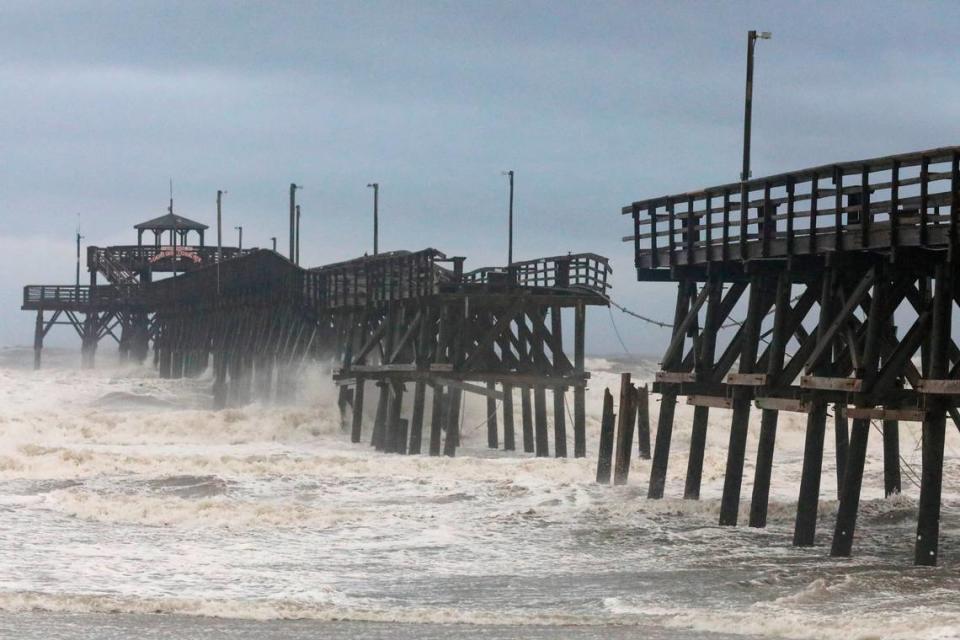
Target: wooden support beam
x=509, y=437
x=668, y=401
x=526, y=412
x=579, y=391
x=747, y=379
x=934, y=426
x=880, y=413
x=809, y=495
x=675, y=377
x=939, y=387
x=493, y=440
x=717, y=402
x=436, y=418
x=540, y=412
x=850, y=385
x=704, y=362
x=625, y=425
x=605, y=449
x=356, y=429
x=783, y=404
x=759, y=302
x=643, y=422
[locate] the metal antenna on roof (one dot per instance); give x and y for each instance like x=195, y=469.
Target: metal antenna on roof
x=170, y=209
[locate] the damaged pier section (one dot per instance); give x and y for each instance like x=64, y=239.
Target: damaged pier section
x=400, y=330
x=825, y=263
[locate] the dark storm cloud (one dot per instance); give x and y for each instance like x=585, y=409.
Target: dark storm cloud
x=593, y=104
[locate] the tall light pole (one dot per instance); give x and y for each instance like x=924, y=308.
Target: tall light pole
x=240, y=238
x=293, y=221
x=297, y=260
x=752, y=37
x=376, y=215
x=79, y=238
x=509, y=174
x=220, y=193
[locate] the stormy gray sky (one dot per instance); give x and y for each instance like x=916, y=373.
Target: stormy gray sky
x=593, y=104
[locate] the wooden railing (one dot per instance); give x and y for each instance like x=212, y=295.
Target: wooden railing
x=59, y=295
x=581, y=271
x=877, y=204
x=378, y=279
x=134, y=258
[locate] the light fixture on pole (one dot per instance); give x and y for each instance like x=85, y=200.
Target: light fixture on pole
x=240, y=238
x=509, y=174
x=376, y=215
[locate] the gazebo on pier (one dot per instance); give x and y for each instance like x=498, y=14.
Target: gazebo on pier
x=175, y=225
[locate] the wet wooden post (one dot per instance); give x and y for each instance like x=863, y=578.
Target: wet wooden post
x=605, y=454
x=509, y=437
x=857, y=450
x=378, y=438
x=740, y=422
x=392, y=440
x=643, y=422
x=219, y=380
x=416, y=420
x=436, y=419
x=493, y=440
x=164, y=363
x=668, y=402
x=38, y=340
x=559, y=422
x=891, y=441
x=627, y=414
x=809, y=496
x=841, y=430
x=763, y=471
x=559, y=392
x=701, y=413
x=452, y=441
x=934, y=424
x=540, y=416
x=403, y=426
x=356, y=427
x=526, y=415
x=579, y=390
x=88, y=349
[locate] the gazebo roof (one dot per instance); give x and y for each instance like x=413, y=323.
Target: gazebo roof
x=171, y=221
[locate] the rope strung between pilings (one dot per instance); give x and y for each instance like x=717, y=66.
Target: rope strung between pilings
x=667, y=325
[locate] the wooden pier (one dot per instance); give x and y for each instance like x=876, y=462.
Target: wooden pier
x=821, y=261
x=393, y=326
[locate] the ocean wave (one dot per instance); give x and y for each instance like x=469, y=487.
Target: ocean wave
x=214, y=512
x=325, y=606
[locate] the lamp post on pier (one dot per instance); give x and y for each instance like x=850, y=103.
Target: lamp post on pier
x=220, y=193
x=752, y=37
x=79, y=238
x=376, y=215
x=293, y=221
x=509, y=174
x=297, y=252
x=240, y=238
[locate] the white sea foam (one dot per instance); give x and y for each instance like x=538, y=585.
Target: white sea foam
x=130, y=495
